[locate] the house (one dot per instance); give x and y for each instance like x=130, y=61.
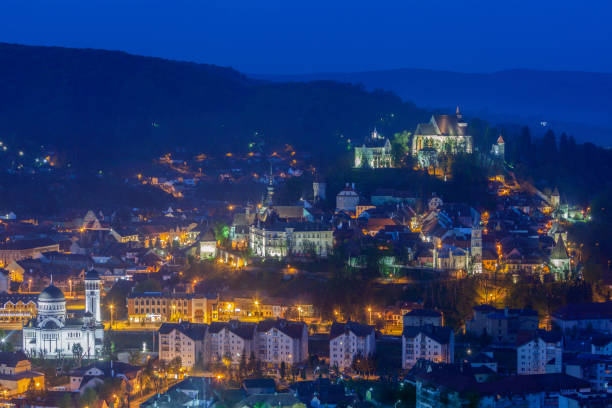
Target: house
x=456, y=385
x=183, y=340
x=321, y=393
x=192, y=392
x=280, y=400
x=501, y=324
x=208, y=245
x=17, y=307
x=25, y=248
x=422, y=317
x=584, y=316
x=595, y=369
x=259, y=386
x=281, y=341
x=433, y=343
x=602, y=345
x=16, y=374
x=94, y=374
x=5, y=280
x=348, y=341
x=124, y=235
x=347, y=199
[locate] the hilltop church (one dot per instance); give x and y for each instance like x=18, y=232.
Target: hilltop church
x=442, y=134
x=52, y=334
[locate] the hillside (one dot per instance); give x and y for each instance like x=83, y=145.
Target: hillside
x=99, y=107
x=574, y=102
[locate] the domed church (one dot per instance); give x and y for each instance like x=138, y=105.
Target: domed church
x=51, y=334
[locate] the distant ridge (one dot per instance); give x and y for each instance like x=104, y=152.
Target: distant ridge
x=578, y=101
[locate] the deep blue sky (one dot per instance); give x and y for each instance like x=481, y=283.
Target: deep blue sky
x=292, y=36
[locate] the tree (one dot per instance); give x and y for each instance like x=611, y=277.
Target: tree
x=282, y=369
x=242, y=365
x=77, y=353
x=221, y=231
x=90, y=396
x=252, y=364
x=66, y=401
x=149, y=285
x=135, y=357
x=108, y=348
x=399, y=147
x=31, y=390
x=174, y=365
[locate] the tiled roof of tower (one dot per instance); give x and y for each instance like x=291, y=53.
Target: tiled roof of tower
x=559, y=251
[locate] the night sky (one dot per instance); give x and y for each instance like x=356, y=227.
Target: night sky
x=328, y=36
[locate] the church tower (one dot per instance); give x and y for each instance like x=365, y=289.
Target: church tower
x=92, y=295
x=476, y=249
x=318, y=189
x=269, y=198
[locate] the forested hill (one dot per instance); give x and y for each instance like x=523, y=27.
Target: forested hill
x=100, y=107
x=571, y=101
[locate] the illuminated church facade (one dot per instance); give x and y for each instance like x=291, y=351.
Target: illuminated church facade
x=52, y=334
x=442, y=134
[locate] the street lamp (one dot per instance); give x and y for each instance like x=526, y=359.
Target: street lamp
x=370, y=312
x=30, y=285
x=111, y=309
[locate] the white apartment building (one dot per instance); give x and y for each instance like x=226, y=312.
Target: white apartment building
x=231, y=340
x=282, y=341
x=185, y=340
x=539, y=352
x=348, y=340
x=432, y=343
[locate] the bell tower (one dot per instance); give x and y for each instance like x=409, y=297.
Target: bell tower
x=476, y=249
x=92, y=295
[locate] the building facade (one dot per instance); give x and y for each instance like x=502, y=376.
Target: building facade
x=442, y=134
x=169, y=307
x=183, y=340
x=231, y=341
x=539, y=352
x=282, y=341
x=348, y=341
x=297, y=239
x=374, y=153
x=432, y=343
x=53, y=335
x=347, y=199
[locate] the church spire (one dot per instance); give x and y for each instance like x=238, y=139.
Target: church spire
x=458, y=113
x=270, y=188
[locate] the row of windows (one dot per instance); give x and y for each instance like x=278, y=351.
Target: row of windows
x=143, y=302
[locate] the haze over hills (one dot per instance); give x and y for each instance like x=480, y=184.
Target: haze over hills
x=575, y=102
x=103, y=107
